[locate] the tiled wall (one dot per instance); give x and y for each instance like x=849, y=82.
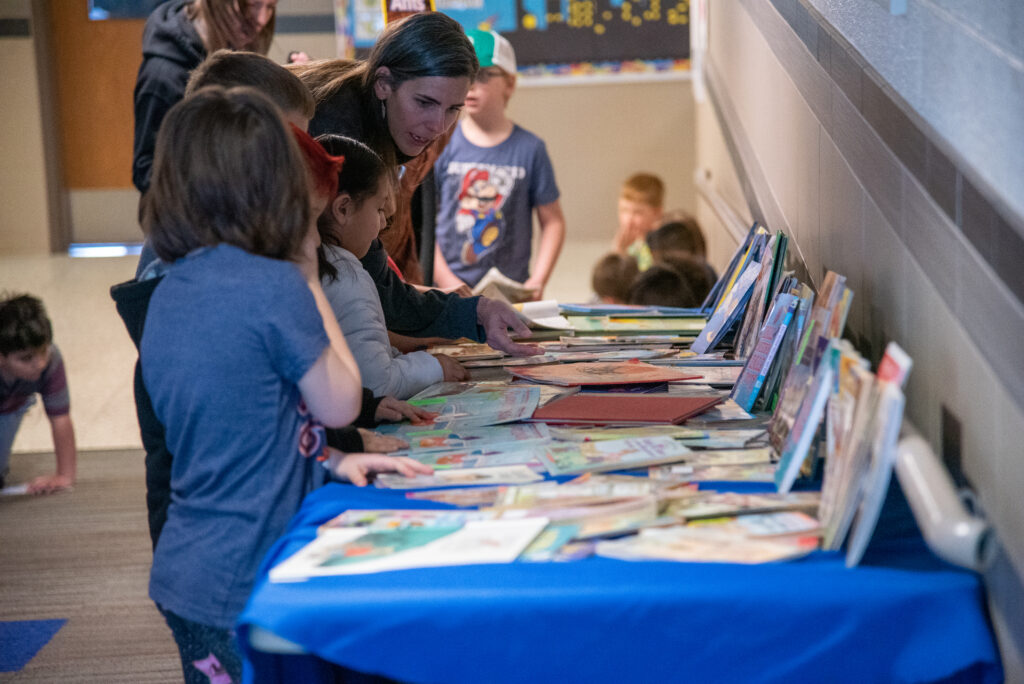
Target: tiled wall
x=864, y=189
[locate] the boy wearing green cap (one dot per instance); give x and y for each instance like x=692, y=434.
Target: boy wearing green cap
x=491, y=178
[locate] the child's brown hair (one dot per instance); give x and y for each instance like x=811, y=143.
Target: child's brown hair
x=677, y=232
x=226, y=170
x=644, y=187
x=24, y=324
x=694, y=270
x=228, y=68
x=612, y=276
x=661, y=285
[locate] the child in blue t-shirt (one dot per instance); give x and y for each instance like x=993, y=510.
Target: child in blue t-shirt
x=241, y=357
x=491, y=177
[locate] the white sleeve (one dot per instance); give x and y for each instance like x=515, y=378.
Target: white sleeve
x=356, y=305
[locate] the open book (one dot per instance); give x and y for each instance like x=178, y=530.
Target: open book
x=497, y=285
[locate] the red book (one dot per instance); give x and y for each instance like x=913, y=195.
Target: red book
x=624, y=408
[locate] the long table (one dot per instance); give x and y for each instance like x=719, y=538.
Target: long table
x=903, y=617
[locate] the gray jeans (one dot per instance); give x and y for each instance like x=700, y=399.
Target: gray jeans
x=9, y=424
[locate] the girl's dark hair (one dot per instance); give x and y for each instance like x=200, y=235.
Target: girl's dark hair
x=421, y=45
x=360, y=176
x=226, y=170
x=23, y=324
x=222, y=19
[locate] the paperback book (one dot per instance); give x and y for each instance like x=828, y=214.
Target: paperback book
x=602, y=409
x=601, y=373
x=460, y=477
x=569, y=458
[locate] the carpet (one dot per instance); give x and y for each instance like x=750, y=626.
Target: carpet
x=21, y=640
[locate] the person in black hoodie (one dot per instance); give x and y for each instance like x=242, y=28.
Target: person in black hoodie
x=178, y=36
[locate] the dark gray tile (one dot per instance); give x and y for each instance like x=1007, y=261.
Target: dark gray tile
x=883, y=293
x=806, y=27
x=904, y=138
x=976, y=219
x=15, y=28
x=825, y=45
x=1008, y=249
x=941, y=181
x=870, y=159
x=846, y=72
x=932, y=239
x=994, y=320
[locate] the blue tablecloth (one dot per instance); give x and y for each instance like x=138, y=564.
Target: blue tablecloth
x=907, y=617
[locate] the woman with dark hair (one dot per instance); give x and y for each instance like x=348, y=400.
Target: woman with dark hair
x=402, y=102
x=178, y=36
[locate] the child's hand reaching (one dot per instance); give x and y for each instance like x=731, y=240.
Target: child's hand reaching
x=376, y=442
x=453, y=370
x=394, y=410
x=48, y=484
x=358, y=468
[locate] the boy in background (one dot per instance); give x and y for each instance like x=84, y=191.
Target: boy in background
x=491, y=177
x=613, y=275
x=31, y=364
x=641, y=202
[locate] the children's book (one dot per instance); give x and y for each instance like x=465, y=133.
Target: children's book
x=732, y=503
x=459, y=496
x=348, y=551
x=618, y=409
x=716, y=376
x=420, y=439
x=549, y=542
x=550, y=494
x=617, y=341
x=723, y=457
x=601, y=373
x=764, y=525
x=602, y=519
x=727, y=312
x=467, y=352
x=753, y=472
x=726, y=412
x=590, y=434
x=507, y=289
x=636, y=325
x=697, y=545
x=740, y=258
x=482, y=457
x=460, y=477
x=876, y=482
x=543, y=314
x=391, y=519
x=798, y=442
x=568, y=458
x=482, y=408
x=750, y=322
x=751, y=379
x=723, y=438
x=448, y=389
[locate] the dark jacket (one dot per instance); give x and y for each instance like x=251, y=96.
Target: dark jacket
x=171, y=49
x=132, y=300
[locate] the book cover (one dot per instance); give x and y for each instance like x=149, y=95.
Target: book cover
x=751, y=379
x=632, y=408
x=460, y=477
x=601, y=373
x=348, y=551
x=423, y=439
x=727, y=312
x=480, y=409
x=798, y=442
x=570, y=458
x=510, y=290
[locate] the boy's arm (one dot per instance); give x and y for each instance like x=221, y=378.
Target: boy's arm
x=443, y=275
x=67, y=457
x=552, y=235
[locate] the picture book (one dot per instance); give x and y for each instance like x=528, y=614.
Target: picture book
x=601, y=373
x=467, y=352
x=600, y=519
x=716, y=376
x=795, y=449
x=752, y=472
x=763, y=525
x=549, y=542
x=635, y=325
x=751, y=321
x=347, y=551
x=482, y=408
x=567, y=458
x=631, y=408
x=509, y=289
x=728, y=411
x=460, y=477
x=542, y=314
x=724, y=438
x=725, y=457
x=697, y=545
x=876, y=481
x=589, y=434
x=459, y=496
x=447, y=389
x=420, y=439
x=618, y=341
x=731, y=503
x=390, y=519
x=752, y=377
x=729, y=309
x=482, y=457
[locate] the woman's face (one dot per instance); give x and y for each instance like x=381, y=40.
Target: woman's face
x=420, y=109
x=255, y=17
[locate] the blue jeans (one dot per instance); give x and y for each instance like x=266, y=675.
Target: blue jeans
x=9, y=424
x=209, y=655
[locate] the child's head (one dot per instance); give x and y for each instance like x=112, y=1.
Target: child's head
x=359, y=210
x=323, y=169
x=640, y=204
x=661, y=285
x=694, y=270
x=236, y=24
x=227, y=68
x=496, y=79
x=226, y=170
x=677, y=232
x=612, y=276
x=25, y=336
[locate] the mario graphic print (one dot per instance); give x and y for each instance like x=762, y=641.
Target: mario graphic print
x=479, y=220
